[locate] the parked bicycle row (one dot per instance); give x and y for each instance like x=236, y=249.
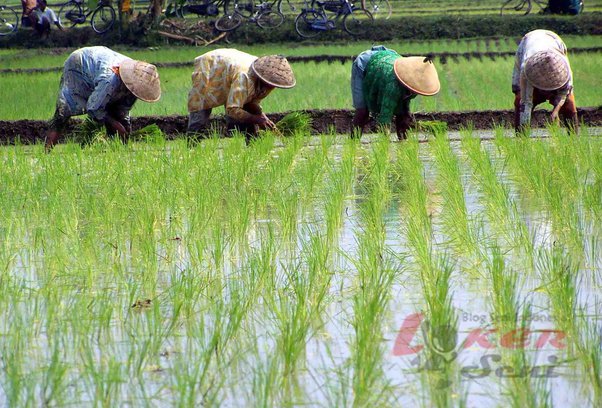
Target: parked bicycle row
x=313, y=19
x=37, y=15
x=313, y=16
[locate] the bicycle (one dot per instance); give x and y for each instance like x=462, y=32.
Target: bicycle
x=292, y=6
x=260, y=14
x=76, y=12
x=315, y=20
x=9, y=20
x=379, y=8
x=200, y=7
x=523, y=7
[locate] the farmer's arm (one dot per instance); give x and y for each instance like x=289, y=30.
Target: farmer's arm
x=526, y=102
x=404, y=119
x=99, y=100
x=120, y=111
x=568, y=112
x=239, y=93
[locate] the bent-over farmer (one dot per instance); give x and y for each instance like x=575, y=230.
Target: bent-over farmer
x=383, y=83
x=105, y=85
x=542, y=73
x=239, y=81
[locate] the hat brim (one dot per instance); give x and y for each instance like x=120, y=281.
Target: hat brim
x=418, y=76
x=141, y=79
x=265, y=78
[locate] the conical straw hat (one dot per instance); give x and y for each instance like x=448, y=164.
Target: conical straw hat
x=418, y=74
x=274, y=70
x=547, y=70
x=142, y=79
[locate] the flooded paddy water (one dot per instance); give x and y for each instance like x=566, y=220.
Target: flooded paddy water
x=304, y=271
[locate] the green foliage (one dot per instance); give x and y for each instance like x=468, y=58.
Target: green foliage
x=294, y=122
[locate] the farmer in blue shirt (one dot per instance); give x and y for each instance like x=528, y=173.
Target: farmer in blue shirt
x=104, y=84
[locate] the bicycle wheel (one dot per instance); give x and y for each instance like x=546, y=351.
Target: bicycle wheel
x=270, y=19
x=358, y=23
x=9, y=20
x=71, y=14
x=243, y=7
x=292, y=6
x=228, y=22
x=103, y=19
x=516, y=7
x=305, y=23
x=181, y=9
x=380, y=9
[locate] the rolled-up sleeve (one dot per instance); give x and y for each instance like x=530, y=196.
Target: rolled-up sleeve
x=526, y=101
x=103, y=92
x=237, y=97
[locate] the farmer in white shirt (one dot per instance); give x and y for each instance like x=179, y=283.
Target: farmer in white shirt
x=542, y=73
x=44, y=17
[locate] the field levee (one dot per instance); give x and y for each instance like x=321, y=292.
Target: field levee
x=323, y=121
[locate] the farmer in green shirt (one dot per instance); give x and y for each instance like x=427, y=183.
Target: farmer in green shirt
x=383, y=83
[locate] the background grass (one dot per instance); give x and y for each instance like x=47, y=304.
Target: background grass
x=466, y=85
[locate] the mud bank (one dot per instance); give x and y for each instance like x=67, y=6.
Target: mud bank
x=324, y=121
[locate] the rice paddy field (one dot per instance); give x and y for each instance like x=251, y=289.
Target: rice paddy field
x=453, y=269
x=303, y=272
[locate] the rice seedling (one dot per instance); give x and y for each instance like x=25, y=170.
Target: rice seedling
x=512, y=321
x=501, y=209
x=375, y=273
x=454, y=216
x=533, y=163
x=294, y=122
x=434, y=274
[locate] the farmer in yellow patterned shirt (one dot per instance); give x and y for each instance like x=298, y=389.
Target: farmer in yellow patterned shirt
x=239, y=81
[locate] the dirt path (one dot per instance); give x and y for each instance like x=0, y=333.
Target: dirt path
x=32, y=131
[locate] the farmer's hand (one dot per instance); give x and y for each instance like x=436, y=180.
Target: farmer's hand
x=114, y=126
x=403, y=122
x=554, y=115
x=265, y=123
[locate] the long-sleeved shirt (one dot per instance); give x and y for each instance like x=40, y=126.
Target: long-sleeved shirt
x=224, y=77
x=384, y=95
x=532, y=43
x=91, y=84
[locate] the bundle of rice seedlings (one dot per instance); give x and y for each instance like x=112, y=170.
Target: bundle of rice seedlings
x=294, y=122
x=150, y=133
x=88, y=132
x=434, y=127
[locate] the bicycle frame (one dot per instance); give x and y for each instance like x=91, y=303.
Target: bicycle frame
x=339, y=10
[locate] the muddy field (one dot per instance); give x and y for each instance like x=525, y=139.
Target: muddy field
x=32, y=131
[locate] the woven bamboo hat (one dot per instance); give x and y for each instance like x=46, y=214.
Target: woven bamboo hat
x=274, y=70
x=547, y=70
x=418, y=74
x=142, y=79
